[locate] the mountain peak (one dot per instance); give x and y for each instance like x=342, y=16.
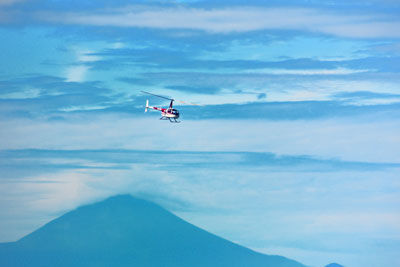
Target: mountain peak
x=125, y=198
x=334, y=265
x=127, y=231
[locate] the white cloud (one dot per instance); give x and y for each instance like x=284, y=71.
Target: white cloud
x=28, y=93
x=76, y=73
x=364, y=29
x=243, y=19
x=118, y=45
x=86, y=56
x=81, y=108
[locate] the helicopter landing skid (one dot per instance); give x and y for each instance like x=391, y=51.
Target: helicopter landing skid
x=173, y=120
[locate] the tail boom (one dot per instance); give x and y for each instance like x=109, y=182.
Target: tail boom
x=150, y=107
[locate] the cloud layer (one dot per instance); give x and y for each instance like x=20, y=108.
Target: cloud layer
x=231, y=20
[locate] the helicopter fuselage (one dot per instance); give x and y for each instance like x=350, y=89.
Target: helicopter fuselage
x=169, y=113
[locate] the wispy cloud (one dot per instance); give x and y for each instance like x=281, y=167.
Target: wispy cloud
x=27, y=162
x=235, y=19
x=371, y=139
x=87, y=56
x=365, y=95
x=9, y=2
x=338, y=71
x=76, y=73
x=368, y=98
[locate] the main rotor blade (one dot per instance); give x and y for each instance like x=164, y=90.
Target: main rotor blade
x=157, y=95
x=186, y=103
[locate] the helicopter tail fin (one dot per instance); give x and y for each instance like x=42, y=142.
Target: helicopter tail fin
x=147, y=106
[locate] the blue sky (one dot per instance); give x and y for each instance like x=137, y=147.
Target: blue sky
x=293, y=151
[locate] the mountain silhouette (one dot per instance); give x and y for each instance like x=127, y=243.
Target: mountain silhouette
x=334, y=265
x=126, y=231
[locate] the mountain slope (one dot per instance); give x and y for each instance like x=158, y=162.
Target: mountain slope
x=125, y=231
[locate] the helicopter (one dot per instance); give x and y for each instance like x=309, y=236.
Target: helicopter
x=169, y=113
